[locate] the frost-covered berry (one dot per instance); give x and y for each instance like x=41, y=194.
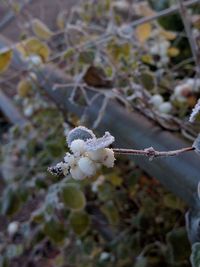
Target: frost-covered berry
x=76, y=173
x=87, y=166
x=96, y=155
x=109, y=158
x=165, y=107
x=69, y=159
x=13, y=227
x=156, y=100
x=78, y=147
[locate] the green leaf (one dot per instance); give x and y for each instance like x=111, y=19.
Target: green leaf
x=111, y=212
x=79, y=222
x=73, y=197
x=87, y=57
x=173, y=202
x=147, y=80
x=10, y=202
x=178, y=245
x=55, y=230
x=195, y=256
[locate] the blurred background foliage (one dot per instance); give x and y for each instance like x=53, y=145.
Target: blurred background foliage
x=121, y=217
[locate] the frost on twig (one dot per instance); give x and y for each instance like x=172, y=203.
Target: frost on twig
x=196, y=144
x=195, y=112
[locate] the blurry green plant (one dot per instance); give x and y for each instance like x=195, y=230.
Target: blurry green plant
x=113, y=218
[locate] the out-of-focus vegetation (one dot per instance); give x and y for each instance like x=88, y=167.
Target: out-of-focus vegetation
x=120, y=217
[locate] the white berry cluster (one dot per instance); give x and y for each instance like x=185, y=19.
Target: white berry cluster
x=159, y=104
x=185, y=89
x=160, y=49
x=87, y=155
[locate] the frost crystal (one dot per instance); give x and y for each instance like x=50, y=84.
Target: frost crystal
x=97, y=143
x=88, y=154
x=196, y=144
x=195, y=112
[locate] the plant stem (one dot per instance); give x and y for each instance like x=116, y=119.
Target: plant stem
x=151, y=152
x=188, y=29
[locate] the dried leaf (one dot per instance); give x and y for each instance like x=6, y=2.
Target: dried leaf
x=33, y=46
x=5, y=58
x=95, y=76
x=169, y=35
x=24, y=87
x=143, y=32
x=173, y=52
x=41, y=30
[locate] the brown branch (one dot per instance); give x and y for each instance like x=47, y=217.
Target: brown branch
x=151, y=152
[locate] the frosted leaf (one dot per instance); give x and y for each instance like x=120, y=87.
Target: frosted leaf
x=195, y=112
x=80, y=132
x=97, y=143
x=196, y=144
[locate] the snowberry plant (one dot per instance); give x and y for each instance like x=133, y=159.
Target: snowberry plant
x=89, y=153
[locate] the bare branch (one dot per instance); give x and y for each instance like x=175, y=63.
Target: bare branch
x=188, y=29
x=152, y=153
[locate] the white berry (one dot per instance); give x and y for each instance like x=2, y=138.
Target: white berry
x=96, y=155
x=78, y=146
x=165, y=107
x=87, y=166
x=76, y=173
x=109, y=158
x=156, y=100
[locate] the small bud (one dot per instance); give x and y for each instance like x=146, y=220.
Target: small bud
x=87, y=166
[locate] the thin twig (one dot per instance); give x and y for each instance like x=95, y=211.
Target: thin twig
x=163, y=13
x=188, y=30
x=152, y=153
x=108, y=35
